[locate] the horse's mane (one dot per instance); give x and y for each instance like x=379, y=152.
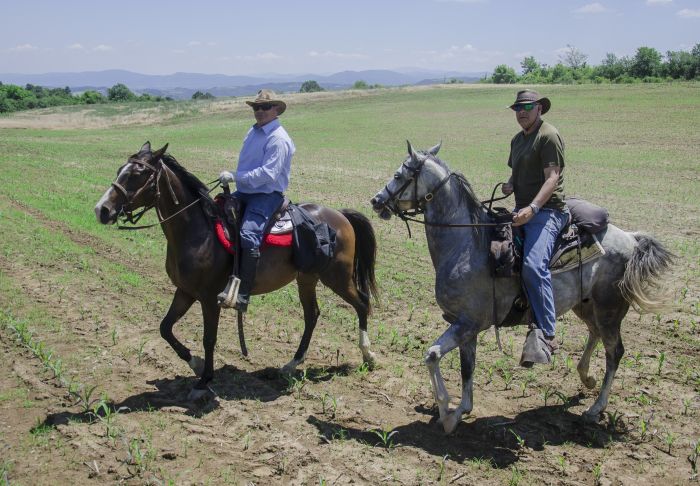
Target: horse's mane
x=473, y=202
x=196, y=187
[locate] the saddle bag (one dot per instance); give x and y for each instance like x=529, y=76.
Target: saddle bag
x=503, y=249
x=587, y=216
x=313, y=243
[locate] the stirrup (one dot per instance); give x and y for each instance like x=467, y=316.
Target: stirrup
x=227, y=298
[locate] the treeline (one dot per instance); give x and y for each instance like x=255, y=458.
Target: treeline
x=16, y=98
x=648, y=65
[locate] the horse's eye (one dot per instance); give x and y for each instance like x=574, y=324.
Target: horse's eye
x=397, y=176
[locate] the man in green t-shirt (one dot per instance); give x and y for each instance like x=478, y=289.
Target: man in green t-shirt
x=537, y=165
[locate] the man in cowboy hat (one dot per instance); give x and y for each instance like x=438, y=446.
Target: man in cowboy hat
x=537, y=164
x=261, y=178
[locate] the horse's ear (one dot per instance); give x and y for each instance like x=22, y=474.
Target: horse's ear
x=434, y=150
x=411, y=152
x=145, y=148
x=159, y=153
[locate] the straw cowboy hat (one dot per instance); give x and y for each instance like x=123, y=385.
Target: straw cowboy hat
x=529, y=96
x=267, y=97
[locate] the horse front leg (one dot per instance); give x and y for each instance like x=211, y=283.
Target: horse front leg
x=210, y=314
x=449, y=340
x=467, y=355
x=178, y=307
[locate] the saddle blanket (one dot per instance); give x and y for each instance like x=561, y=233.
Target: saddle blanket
x=568, y=259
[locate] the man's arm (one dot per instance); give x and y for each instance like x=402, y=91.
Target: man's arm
x=272, y=165
x=551, y=179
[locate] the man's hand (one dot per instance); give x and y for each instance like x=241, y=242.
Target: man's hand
x=523, y=216
x=226, y=178
x=507, y=188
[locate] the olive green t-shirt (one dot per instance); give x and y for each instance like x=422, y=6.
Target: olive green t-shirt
x=529, y=156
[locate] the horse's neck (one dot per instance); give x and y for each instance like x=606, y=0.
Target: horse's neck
x=452, y=206
x=173, y=198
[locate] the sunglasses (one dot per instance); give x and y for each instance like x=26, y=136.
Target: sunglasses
x=526, y=107
x=263, y=107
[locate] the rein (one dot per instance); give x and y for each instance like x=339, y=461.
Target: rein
x=418, y=204
x=153, y=180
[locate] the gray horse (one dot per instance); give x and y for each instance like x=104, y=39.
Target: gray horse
x=627, y=274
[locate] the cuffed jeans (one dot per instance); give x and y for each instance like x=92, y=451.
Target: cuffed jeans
x=259, y=207
x=540, y=234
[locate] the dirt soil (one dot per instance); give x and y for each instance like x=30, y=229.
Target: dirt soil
x=335, y=422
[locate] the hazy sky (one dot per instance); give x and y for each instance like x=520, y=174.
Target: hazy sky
x=309, y=36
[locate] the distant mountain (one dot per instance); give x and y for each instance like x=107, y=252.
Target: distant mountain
x=183, y=85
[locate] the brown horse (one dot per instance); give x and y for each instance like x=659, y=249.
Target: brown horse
x=199, y=266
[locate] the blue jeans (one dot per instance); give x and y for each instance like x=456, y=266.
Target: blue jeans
x=540, y=234
x=259, y=207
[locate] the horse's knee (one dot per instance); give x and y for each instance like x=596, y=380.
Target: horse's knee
x=432, y=356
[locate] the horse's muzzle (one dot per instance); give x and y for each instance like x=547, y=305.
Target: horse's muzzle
x=379, y=207
x=105, y=215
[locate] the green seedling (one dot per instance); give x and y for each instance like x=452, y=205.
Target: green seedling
x=693, y=458
x=385, y=437
x=547, y=393
x=507, y=376
x=660, y=363
x=669, y=439
x=520, y=440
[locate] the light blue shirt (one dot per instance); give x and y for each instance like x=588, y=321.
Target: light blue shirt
x=265, y=160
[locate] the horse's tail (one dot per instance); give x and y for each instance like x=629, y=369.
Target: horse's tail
x=365, y=254
x=641, y=281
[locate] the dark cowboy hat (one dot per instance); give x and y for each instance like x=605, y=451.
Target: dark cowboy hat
x=529, y=96
x=267, y=97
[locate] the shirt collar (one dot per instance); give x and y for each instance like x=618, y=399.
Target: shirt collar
x=268, y=127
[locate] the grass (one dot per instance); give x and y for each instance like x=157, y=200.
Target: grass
x=94, y=295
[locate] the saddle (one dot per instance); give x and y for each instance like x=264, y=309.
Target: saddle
x=278, y=231
x=576, y=245
x=312, y=242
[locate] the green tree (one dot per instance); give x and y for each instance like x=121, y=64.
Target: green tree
x=504, y=75
x=360, y=85
x=529, y=65
x=91, y=97
x=573, y=58
x=202, y=96
x=647, y=62
x=119, y=92
x=310, y=87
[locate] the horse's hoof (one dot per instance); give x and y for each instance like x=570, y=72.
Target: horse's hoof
x=370, y=360
x=451, y=421
x=289, y=369
x=197, y=394
x=590, y=417
x=589, y=382
x=197, y=365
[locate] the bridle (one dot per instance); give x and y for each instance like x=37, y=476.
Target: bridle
x=418, y=204
x=153, y=182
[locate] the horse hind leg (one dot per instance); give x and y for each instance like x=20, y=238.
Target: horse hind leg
x=307, y=295
x=340, y=281
x=585, y=313
x=609, y=331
